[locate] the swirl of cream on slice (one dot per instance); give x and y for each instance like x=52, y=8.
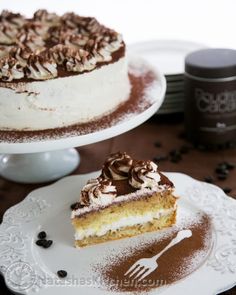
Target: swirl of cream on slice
x=98, y=192
x=8, y=33
x=117, y=166
x=40, y=68
x=144, y=174
x=10, y=69
x=32, y=41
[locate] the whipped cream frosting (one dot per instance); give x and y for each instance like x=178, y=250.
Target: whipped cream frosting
x=41, y=69
x=80, y=234
x=98, y=191
x=143, y=176
x=52, y=43
x=117, y=166
x=64, y=101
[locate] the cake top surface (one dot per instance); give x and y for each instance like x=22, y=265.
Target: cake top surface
x=47, y=45
x=122, y=177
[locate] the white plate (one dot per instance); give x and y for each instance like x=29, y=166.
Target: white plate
x=176, y=83
x=173, y=90
x=173, y=103
x=175, y=78
x=48, y=208
x=173, y=97
x=166, y=55
x=154, y=96
x=178, y=87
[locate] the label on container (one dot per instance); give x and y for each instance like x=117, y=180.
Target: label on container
x=210, y=111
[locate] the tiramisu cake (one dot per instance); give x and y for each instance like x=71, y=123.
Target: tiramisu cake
x=57, y=71
x=130, y=197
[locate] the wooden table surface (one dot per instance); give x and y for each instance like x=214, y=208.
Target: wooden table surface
x=140, y=143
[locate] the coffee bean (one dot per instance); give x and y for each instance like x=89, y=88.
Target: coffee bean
x=158, y=144
x=73, y=206
x=209, y=179
x=47, y=244
x=227, y=190
x=62, y=273
x=175, y=159
x=160, y=158
x=185, y=149
x=222, y=166
x=40, y=242
x=220, y=170
x=76, y=206
x=42, y=235
x=231, y=145
x=225, y=171
x=222, y=176
x=230, y=166
x=174, y=152
x=175, y=155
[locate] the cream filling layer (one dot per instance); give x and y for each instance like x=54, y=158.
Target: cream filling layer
x=123, y=222
x=123, y=198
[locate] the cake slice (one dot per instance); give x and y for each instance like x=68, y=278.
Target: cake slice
x=130, y=197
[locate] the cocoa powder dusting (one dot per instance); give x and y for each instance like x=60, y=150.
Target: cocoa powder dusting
x=137, y=103
x=175, y=264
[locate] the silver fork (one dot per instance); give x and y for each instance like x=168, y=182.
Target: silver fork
x=143, y=267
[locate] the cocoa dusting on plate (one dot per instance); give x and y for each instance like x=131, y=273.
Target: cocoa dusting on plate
x=175, y=264
x=136, y=104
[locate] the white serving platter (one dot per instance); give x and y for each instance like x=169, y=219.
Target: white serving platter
x=48, y=208
x=167, y=55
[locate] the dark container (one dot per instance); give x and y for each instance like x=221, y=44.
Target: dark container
x=210, y=96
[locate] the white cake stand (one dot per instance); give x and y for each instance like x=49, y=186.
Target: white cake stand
x=47, y=159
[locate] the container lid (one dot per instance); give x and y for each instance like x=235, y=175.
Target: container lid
x=211, y=63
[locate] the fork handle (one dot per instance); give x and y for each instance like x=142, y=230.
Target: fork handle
x=179, y=237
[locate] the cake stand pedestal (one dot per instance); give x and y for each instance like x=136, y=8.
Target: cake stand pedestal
x=43, y=159
x=39, y=167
